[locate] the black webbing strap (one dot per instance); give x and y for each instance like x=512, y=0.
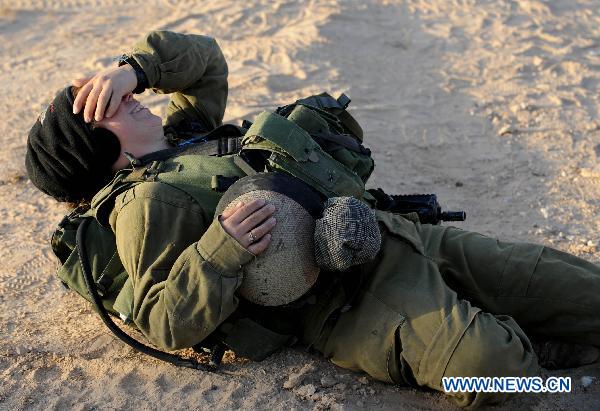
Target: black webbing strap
x=223, y=140
x=227, y=145
x=343, y=140
x=326, y=101
x=219, y=147
x=132, y=342
x=155, y=156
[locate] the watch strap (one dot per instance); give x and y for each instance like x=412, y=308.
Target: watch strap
x=142, y=80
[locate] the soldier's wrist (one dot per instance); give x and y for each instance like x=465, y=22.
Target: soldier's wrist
x=222, y=251
x=142, y=79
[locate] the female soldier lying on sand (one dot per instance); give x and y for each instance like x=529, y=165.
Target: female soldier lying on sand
x=435, y=301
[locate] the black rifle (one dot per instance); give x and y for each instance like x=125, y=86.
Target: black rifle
x=425, y=205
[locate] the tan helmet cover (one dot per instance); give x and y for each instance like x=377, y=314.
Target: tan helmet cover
x=288, y=268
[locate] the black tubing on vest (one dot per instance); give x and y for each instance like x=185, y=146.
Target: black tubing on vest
x=90, y=284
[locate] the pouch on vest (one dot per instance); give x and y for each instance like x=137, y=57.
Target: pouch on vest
x=326, y=130
x=317, y=140
x=109, y=275
x=294, y=151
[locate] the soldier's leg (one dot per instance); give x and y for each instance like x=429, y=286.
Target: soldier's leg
x=409, y=326
x=548, y=292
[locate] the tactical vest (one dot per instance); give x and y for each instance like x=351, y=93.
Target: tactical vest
x=305, y=140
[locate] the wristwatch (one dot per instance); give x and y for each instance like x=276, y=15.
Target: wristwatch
x=142, y=80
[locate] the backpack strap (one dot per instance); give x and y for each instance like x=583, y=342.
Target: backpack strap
x=220, y=146
x=223, y=140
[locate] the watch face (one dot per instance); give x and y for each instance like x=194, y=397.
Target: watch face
x=122, y=59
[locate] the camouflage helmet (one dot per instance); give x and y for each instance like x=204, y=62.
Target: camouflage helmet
x=287, y=269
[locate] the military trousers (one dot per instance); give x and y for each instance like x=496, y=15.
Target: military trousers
x=443, y=302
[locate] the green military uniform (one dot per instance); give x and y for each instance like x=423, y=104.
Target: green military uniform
x=437, y=301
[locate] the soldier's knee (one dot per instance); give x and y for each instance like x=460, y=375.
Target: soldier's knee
x=492, y=346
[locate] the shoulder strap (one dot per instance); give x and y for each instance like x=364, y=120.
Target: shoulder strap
x=220, y=141
x=220, y=146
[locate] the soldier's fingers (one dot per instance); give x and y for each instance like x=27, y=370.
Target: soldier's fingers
x=90, y=103
x=80, y=82
x=81, y=97
x=264, y=228
x=256, y=218
x=113, y=106
x=229, y=211
x=103, y=100
x=247, y=209
x=260, y=246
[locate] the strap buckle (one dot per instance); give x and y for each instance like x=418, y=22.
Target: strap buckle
x=343, y=100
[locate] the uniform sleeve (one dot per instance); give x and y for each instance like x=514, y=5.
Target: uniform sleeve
x=184, y=273
x=192, y=68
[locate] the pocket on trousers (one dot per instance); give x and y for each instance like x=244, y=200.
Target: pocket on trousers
x=363, y=339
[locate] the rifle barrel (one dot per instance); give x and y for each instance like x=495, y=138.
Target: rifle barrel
x=453, y=216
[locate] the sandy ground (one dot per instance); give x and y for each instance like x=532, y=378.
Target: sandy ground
x=492, y=104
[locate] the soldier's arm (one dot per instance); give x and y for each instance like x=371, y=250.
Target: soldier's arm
x=192, y=68
x=184, y=278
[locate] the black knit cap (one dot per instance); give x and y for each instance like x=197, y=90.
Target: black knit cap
x=66, y=158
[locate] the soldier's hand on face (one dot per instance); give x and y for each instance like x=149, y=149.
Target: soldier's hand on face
x=250, y=224
x=101, y=94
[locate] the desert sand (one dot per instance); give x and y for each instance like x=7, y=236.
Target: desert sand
x=493, y=105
